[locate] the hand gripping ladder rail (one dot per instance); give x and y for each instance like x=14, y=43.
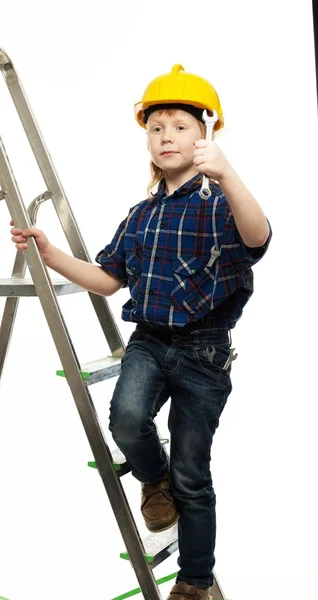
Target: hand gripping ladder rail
x=144, y=556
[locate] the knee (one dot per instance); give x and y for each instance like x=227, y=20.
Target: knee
x=127, y=424
x=191, y=486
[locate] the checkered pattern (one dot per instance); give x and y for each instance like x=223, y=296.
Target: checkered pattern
x=183, y=259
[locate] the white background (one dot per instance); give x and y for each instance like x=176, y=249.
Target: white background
x=83, y=66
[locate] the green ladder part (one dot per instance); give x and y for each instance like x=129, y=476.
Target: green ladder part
x=98, y=370
x=119, y=460
x=158, y=546
x=138, y=590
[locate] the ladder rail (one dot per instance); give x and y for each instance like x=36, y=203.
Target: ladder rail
x=59, y=199
x=80, y=392
x=19, y=269
x=10, y=312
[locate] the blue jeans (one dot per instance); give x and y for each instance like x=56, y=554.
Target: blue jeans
x=190, y=371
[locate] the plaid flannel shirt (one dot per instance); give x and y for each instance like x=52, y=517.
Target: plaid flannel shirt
x=183, y=260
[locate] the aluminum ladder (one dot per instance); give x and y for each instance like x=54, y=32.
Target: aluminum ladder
x=111, y=464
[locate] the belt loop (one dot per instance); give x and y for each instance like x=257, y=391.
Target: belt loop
x=196, y=344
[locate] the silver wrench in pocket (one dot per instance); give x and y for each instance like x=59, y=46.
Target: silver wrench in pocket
x=205, y=191
x=232, y=357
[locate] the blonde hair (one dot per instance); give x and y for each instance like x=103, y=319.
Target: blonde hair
x=156, y=174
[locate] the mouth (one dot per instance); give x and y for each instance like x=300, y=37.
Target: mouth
x=168, y=153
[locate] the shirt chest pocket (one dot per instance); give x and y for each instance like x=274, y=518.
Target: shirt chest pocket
x=193, y=280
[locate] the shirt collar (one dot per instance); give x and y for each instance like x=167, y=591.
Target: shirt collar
x=187, y=187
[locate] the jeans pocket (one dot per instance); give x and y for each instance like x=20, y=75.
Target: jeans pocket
x=211, y=359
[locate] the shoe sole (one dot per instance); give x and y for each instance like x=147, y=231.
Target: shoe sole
x=163, y=528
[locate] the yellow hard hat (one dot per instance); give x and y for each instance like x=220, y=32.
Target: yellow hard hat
x=183, y=88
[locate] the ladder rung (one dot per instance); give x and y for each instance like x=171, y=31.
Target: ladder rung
x=138, y=590
x=158, y=546
x=98, y=370
x=119, y=460
x=16, y=287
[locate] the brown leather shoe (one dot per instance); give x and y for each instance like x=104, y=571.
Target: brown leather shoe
x=157, y=505
x=184, y=591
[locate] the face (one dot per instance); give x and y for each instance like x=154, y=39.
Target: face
x=171, y=135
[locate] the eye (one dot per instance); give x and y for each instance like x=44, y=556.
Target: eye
x=181, y=127
x=156, y=128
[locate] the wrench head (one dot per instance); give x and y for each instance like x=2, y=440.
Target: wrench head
x=205, y=193
x=210, y=120
x=233, y=354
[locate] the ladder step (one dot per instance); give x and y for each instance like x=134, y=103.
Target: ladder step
x=158, y=546
x=17, y=287
x=98, y=370
x=138, y=590
x=119, y=460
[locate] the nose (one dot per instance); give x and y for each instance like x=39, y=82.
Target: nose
x=167, y=136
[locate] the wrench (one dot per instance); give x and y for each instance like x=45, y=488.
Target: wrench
x=230, y=359
x=205, y=191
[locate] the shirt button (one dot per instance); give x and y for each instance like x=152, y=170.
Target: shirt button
x=162, y=225
x=156, y=258
x=150, y=292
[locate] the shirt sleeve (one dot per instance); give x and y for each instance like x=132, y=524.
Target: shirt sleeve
x=240, y=256
x=113, y=257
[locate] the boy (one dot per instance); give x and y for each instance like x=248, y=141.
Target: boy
x=187, y=262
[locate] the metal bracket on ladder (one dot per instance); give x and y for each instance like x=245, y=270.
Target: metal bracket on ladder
x=143, y=556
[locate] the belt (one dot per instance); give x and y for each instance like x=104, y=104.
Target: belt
x=169, y=335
